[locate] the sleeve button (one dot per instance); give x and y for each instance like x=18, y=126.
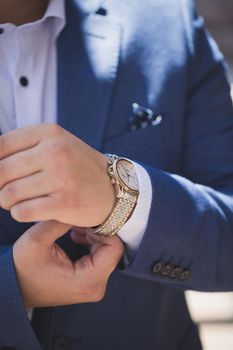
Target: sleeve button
x=176, y=272
x=157, y=267
x=60, y=343
x=185, y=275
x=166, y=270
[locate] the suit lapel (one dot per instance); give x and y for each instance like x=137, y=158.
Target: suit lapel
x=88, y=53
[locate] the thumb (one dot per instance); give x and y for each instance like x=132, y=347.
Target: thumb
x=47, y=232
x=106, y=252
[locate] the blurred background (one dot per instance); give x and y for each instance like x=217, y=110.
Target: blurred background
x=214, y=312
x=218, y=16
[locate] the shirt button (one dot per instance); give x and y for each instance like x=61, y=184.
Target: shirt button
x=102, y=11
x=1, y=30
x=24, y=81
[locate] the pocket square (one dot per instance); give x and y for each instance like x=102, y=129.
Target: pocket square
x=143, y=117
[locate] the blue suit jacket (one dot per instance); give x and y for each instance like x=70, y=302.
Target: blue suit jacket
x=155, y=53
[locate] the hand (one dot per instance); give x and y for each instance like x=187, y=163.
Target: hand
x=47, y=277
x=49, y=174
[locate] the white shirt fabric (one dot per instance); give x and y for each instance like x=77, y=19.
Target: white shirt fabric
x=29, y=51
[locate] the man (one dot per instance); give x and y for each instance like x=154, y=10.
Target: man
x=143, y=81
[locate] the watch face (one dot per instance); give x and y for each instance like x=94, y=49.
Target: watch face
x=127, y=174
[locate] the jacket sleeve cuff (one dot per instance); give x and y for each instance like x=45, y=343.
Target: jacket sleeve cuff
x=185, y=223
x=15, y=327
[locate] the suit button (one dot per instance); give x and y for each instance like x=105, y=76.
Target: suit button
x=166, y=270
x=176, y=272
x=60, y=343
x=185, y=275
x=157, y=267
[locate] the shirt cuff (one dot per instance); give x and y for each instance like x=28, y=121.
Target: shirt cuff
x=133, y=230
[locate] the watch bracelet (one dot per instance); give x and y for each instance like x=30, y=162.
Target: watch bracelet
x=118, y=217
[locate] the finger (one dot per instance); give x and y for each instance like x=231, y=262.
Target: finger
x=85, y=239
x=33, y=186
x=19, y=140
x=78, y=230
x=80, y=235
x=105, y=257
x=38, y=209
x=109, y=254
x=47, y=232
x=80, y=238
x=19, y=165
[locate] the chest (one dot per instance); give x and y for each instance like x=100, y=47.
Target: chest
x=27, y=75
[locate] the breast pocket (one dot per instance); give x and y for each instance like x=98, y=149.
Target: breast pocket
x=148, y=144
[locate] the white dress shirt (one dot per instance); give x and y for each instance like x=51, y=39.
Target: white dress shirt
x=28, y=84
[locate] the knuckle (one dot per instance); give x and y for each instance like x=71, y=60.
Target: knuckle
x=59, y=180
x=21, y=214
x=58, y=151
x=8, y=196
x=2, y=145
x=69, y=200
x=53, y=129
x=99, y=293
x=2, y=170
x=93, y=293
x=100, y=296
x=34, y=239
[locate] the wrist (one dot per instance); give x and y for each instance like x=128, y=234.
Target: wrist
x=108, y=197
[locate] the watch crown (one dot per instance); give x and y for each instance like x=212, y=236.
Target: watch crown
x=111, y=174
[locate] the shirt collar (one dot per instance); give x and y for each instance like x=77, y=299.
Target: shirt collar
x=56, y=10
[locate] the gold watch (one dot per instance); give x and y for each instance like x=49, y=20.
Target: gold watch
x=123, y=176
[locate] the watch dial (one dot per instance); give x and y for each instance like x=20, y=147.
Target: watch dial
x=127, y=174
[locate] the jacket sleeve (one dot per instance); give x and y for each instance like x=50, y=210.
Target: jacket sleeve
x=15, y=327
x=188, y=242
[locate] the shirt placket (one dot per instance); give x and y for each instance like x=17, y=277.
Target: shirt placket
x=7, y=69
x=25, y=89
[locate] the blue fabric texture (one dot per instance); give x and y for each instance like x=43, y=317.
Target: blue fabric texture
x=156, y=54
